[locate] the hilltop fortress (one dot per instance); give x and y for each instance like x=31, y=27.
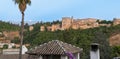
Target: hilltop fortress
x=78, y=23
x=70, y=22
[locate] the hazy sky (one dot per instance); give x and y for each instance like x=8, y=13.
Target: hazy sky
x=49, y=10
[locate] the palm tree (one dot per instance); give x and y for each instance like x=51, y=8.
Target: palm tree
x=22, y=7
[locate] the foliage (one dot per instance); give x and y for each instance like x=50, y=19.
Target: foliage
x=116, y=51
x=5, y=46
x=16, y=40
x=6, y=26
x=80, y=38
x=57, y=22
x=13, y=47
x=105, y=22
x=20, y=1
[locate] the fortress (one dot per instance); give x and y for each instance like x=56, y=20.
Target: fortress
x=70, y=22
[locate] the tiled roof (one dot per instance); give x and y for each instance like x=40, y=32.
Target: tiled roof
x=54, y=47
x=13, y=56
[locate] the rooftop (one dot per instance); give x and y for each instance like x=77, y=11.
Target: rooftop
x=55, y=47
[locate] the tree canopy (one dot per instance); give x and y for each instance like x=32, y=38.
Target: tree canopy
x=79, y=37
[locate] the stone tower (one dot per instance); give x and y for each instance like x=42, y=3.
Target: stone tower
x=116, y=21
x=31, y=28
x=42, y=28
x=66, y=22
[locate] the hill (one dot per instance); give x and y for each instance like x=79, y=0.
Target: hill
x=8, y=32
x=79, y=37
x=6, y=26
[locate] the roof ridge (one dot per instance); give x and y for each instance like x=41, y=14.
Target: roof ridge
x=56, y=47
x=60, y=45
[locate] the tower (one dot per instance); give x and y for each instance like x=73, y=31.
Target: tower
x=66, y=22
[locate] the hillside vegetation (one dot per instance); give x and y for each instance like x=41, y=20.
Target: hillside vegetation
x=79, y=37
x=6, y=26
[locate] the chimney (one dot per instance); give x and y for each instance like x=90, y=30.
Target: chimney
x=94, y=52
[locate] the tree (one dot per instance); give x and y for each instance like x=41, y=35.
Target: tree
x=5, y=46
x=22, y=7
x=101, y=37
x=115, y=51
x=16, y=40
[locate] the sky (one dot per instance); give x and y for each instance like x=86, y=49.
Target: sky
x=51, y=10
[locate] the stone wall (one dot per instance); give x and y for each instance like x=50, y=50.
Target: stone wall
x=11, y=34
x=55, y=27
x=84, y=23
x=42, y=28
x=116, y=21
x=31, y=28
x=114, y=40
x=66, y=22
x=69, y=22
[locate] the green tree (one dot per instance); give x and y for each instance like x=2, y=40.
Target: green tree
x=6, y=26
x=5, y=46
x=22, y=7
x=115, y=51
x=104, y=22
x=81, y=38
x=102, y=39
x=16, y=40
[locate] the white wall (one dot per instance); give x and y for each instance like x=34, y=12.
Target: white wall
x=10, y=45
x=64, y=57
x=24, y=49
x=11, y=51
x=40, y=57
x=95, y=54
x=77, y=55
x=15, y=51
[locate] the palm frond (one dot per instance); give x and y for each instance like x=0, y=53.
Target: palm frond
x=28, y=2
x=17, y=1
x=20, y=1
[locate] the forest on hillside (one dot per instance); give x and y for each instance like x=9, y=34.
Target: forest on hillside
x=7, y=26
x=80, y=38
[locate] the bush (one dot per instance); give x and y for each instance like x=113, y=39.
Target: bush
x=5, y=46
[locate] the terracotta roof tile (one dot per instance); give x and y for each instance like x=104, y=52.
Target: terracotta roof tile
x=54, y=47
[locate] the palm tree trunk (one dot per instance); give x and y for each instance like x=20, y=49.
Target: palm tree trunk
x=21, y=36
